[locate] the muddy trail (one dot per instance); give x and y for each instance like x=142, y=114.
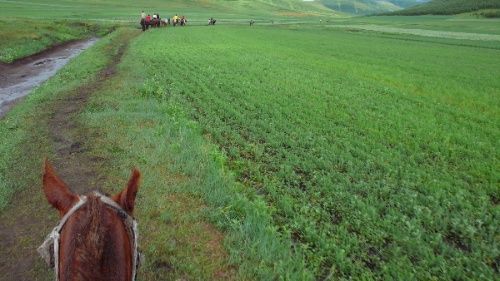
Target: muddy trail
x=29, y=218
x=69, y=139
x=20, y=77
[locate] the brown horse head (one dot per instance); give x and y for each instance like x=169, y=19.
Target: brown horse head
x=96, y=240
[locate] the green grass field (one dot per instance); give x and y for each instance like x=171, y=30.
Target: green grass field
x=30, y=26
x=130, y=10
x=289, y=151
x=373, y=167
x=458, y=23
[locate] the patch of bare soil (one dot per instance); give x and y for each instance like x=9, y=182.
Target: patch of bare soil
x=29, y=218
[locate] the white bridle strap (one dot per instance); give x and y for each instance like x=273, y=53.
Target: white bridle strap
x=54, y=236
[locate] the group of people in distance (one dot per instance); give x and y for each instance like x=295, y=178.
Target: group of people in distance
x=179, y=20
x=148, y=21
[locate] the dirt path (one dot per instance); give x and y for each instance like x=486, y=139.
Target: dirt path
x=69, y=139
x=25, y=223
x=19, y=78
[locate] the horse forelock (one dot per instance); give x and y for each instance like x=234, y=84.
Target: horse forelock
x=92, y=232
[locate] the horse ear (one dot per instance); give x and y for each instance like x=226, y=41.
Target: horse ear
x=57, y=192
x=126, y=198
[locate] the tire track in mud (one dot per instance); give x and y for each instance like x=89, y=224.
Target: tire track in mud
x=29, y=217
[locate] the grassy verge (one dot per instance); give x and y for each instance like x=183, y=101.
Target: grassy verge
x=32, y=36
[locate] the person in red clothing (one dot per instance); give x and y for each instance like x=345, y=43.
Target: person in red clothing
x=148, y=21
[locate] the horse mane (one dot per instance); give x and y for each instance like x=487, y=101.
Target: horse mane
x=89, y=243
x=93, y=234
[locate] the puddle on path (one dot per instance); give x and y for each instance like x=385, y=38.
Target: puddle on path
x=19, y=78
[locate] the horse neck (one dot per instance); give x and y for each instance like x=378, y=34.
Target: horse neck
x=95, y=245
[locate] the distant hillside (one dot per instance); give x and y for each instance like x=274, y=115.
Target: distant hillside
x=369, y=6
x=449, y=7
x=194, y=9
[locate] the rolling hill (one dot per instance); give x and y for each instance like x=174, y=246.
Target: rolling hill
x=369, y=6
x=449, y=7
x=194, y=9
x=198, y=9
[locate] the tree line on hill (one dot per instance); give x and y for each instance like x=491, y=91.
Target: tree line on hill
x=451, y=7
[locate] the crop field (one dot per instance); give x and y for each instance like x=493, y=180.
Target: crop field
x=347, y=149
x=376, y=156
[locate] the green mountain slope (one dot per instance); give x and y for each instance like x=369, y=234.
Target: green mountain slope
x=449, y=7
x=369, y=6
